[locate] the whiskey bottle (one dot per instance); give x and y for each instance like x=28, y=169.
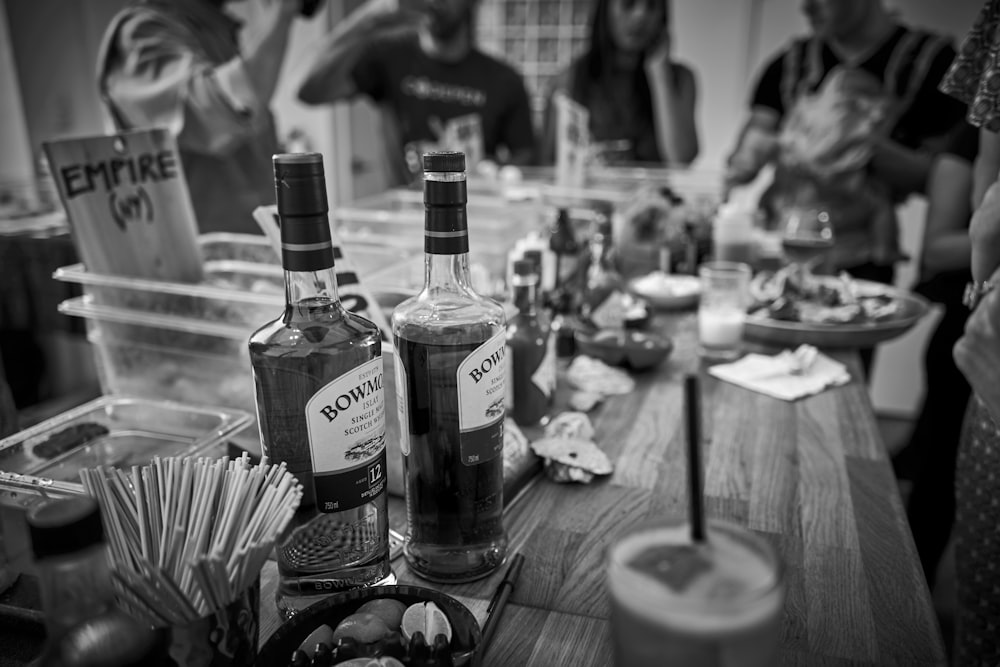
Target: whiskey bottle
x=531, y=353
x=450, y=378
x=320, y=405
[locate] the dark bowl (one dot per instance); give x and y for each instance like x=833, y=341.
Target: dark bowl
x=637, y=350
x=465, y=640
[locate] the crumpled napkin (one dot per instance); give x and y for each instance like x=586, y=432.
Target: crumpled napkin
x=788, y=376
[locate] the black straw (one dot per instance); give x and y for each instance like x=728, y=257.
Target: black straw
x=692, y=396
x=499, y=601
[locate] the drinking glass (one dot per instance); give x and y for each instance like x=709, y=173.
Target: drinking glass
x=725, y=290
x=715, y=604
x=807, y=239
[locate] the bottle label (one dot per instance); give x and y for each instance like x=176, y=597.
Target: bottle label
x=346, y=421
x=481, y=380
x=401, y=402
x=544, y=376
x=508, y=369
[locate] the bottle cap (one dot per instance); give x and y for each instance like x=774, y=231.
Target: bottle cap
x=300, y=184
x=444, y=161
x=525, y=267
x=65, y=525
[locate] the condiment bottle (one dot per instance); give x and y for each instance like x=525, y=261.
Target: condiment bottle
x=602, y=278
x=83, y=624
x=733, y=234
x=317, y=372
x=450, y=375
x=563, y=243
x=531, y=354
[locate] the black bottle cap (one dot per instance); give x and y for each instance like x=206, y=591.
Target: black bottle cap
x=300, y=184
x=444, y=161
x=63, y=526
x=525, y=267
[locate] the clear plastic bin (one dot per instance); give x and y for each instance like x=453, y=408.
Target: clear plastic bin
x=44, y=461
x=244, y=281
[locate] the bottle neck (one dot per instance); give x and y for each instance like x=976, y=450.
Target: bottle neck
x=307, y=255
x=74, y=587
x=525, y=293
x=446, y=232
x=447, y=272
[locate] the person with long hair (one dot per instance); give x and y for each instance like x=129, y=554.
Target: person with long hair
x=641, y=101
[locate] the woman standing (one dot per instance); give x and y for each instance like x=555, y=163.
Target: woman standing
x=972, y=79
x=641, y=101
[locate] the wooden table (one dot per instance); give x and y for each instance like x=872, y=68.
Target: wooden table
x=812, y=476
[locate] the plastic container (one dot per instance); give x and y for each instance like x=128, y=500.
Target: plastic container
x=244, y=281
x=123, y=431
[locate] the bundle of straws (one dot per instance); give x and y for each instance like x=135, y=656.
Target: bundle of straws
x=188, y=536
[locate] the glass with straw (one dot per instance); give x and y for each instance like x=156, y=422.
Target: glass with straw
x=694, y=592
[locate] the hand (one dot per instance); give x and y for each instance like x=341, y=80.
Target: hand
x=977, y=353
x=984, y=233
x=658, y=58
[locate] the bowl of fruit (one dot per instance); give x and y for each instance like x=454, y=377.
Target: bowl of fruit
x=387, y=626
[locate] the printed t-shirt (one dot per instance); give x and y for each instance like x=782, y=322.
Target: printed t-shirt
x=430, y=101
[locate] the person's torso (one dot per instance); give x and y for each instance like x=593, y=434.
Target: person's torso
x=432, y=99
x=621, y=120
x=900, y=64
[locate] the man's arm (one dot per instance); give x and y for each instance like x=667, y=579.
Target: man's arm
x=904, y=169
x=153, y=76
x=757, y=145
x=331, y=62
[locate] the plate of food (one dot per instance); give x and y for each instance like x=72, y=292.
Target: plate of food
x=667, y=291
x=790, y=308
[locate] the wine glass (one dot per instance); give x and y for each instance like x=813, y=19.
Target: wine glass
x=807, y=239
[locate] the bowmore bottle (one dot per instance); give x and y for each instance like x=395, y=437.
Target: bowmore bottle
x=320, y=405
x=450, y=379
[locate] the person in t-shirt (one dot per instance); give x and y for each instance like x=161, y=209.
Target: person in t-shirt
x=418, y=62
x=873, y=53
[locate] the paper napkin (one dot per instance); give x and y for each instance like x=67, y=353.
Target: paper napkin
x=781, y=377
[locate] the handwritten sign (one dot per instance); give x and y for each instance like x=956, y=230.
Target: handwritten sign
x=572, y=142
x=352, y=292
x=128, y=205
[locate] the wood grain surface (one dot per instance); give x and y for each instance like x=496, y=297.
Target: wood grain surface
x=811, y=476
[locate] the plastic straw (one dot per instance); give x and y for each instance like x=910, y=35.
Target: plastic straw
x=692, y=399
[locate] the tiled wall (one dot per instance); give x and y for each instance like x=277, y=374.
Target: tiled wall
x=539, y=37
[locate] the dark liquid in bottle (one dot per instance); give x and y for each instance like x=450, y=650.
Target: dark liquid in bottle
x=455, y=511
x=801, y=249
x=321, y=552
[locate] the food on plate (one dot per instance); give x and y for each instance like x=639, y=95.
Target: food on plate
x=361, y=627
x=791, y=295
x=426, y=618
x=68, y=438
x=383, y=632
x=661, y=285
x=387, y=609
